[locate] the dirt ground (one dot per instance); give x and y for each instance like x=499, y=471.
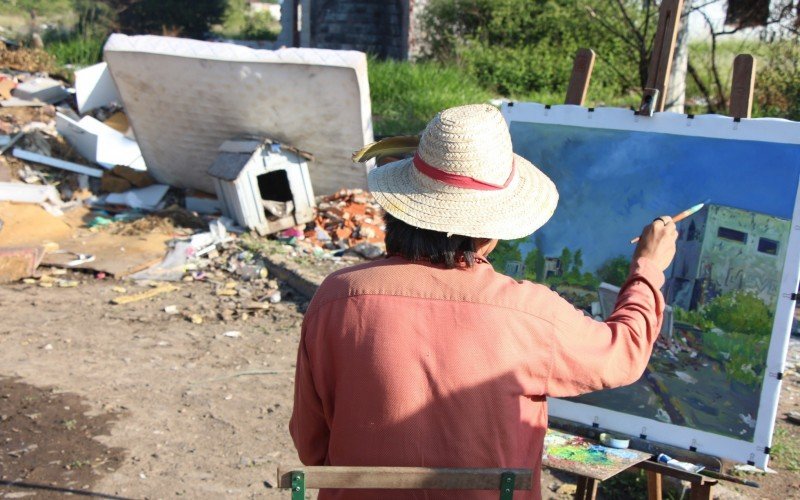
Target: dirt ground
x=128, y=401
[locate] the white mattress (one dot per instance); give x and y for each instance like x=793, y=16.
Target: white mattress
x=186, y=97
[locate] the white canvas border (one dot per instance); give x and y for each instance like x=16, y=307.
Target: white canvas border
x=773, y=130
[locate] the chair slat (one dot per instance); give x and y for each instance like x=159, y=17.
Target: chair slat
x=403, y=478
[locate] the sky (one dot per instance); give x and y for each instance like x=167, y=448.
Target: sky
x=612, y=183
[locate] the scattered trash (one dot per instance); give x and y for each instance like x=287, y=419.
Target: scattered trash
x=181, y=148
x=171, y=309
x=233, y=334
x=94, y=88
x=99, y=143
x=41, y=89
x=127, y=299
x=148, y=198
x=45, y=196
x=55, y=162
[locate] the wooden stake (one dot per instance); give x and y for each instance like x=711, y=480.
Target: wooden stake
x=669, y=18
x=581, y=76
x=744, y=80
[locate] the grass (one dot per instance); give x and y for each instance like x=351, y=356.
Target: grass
x=76, y=49
x=786, y=449
x=406, y=96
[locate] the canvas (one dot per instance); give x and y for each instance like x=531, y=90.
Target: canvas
x=713, y=381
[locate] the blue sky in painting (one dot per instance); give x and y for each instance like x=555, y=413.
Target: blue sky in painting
x=613, y=182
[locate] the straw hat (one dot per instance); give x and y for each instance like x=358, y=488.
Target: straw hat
x=465, y=179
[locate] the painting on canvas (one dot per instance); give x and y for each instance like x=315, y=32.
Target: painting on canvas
x=711, y=383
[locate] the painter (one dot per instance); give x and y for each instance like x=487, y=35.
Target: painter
x=432, y=358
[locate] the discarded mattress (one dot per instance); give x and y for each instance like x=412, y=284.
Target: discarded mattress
x=184, y=98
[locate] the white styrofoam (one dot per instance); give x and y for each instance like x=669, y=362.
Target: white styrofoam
x=184, y=98
x=99, y=143
x=95, y=88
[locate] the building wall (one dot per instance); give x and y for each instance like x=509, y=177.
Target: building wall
x=386, y=28
x=740, y=250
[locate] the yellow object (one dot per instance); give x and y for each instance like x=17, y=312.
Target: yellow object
x=391, y=146
x=126, y=299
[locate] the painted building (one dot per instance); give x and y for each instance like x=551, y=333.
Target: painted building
x=386, y=28
x=721, y=249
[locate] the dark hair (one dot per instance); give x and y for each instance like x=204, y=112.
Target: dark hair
x=414, y=243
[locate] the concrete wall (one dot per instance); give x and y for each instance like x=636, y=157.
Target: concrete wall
x=722, y=265
x=386, y=28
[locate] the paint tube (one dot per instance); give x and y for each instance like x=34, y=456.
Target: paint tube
x=666, y=459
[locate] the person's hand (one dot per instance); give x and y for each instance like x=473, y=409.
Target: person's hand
x=657, y=242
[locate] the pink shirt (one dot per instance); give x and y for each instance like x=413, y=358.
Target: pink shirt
x=409, y=364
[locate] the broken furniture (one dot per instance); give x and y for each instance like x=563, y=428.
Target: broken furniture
x=263, y=185
x=186, y=97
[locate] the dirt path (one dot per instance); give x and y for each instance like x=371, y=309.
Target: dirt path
x=132, y=402
x=200, y=414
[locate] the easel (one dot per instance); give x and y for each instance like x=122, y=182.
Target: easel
x=653, y=100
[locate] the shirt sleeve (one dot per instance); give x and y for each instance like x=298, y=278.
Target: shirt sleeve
x=589, y=355
x=308, y=426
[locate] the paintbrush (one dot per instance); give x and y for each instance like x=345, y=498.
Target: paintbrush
x=732, y=479
x=686, y=213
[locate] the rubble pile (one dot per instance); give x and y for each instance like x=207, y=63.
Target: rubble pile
x=70, y=153
x=349, y=220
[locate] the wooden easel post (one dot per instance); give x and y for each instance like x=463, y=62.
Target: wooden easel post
x=581, y=76
x=669, y=17
x=742, y=85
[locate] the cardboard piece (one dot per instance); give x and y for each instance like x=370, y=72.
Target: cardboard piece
x=29, y=225
x=114, y=254
x=45, y=196
x=6, y=86
x=94, y=88
x=314, y=99
x=18, y=263
x=100, y=143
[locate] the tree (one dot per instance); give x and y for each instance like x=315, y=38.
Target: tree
x=615, y=271
x=566, y=260
x=173, y=17
x=505, y=252
x=518, y=46
x=534, y=265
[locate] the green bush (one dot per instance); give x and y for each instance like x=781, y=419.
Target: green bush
x=777, y=91
x=743, y=355
x=615, y=270
x=742, y=312
x=405, y=96
x=505, y=252
x=518, y=47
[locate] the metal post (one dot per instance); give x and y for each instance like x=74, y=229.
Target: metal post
x=507, y=480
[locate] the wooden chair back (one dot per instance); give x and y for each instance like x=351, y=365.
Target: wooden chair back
x=505, y=481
